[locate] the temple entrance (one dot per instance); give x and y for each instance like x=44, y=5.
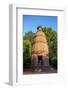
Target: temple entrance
x=40, y=61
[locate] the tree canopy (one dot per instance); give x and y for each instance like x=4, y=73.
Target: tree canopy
x=51, y=36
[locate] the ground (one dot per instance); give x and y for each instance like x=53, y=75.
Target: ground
x=40, y=71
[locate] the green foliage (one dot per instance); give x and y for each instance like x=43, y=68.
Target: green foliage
x=29, y=36
x=27, y=42
x=51, y=36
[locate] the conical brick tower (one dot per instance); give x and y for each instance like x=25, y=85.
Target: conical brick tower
x=40, y=49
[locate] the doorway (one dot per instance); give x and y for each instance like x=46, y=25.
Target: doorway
x=40, y=61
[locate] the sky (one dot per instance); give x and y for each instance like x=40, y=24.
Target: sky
x=31, y=22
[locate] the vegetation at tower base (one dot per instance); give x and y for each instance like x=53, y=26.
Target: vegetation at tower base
x=51, y=37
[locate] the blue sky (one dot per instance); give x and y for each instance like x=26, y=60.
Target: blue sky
x=31, y=22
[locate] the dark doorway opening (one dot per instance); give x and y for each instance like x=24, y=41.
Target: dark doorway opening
x=40, y=60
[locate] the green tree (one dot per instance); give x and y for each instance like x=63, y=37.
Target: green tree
x=29, y=35
x=51, y=36
x=27, y=43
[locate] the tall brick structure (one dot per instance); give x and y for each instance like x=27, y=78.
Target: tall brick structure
x=40, y=49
